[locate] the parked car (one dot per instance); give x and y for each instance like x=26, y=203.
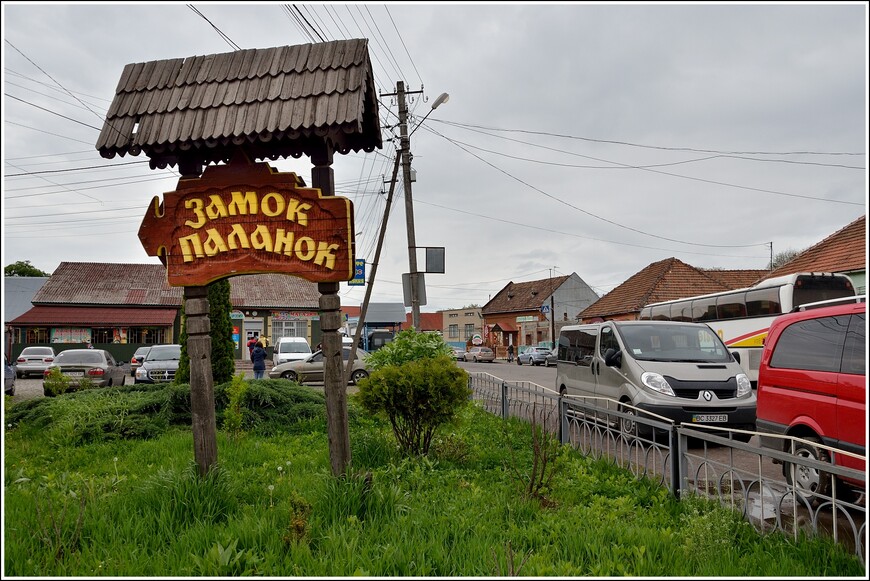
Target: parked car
x=160, y=365
x=812, y=384
x=97, y=365
x=291, y=349
x=458, y=353
x=9, y=377
x=34, y=360
x=311, y=369
x=552, y=358
x=479, y=354
x=136, y=360
x=533, y=356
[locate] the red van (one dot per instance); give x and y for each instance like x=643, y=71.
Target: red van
x=812, y=385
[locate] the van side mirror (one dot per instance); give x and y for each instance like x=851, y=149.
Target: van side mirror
x=613, y=358
x=736, y=356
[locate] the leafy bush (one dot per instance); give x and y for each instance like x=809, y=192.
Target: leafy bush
x=417, y=397
x=233, y=416
x=407, y=346
x=55, y=383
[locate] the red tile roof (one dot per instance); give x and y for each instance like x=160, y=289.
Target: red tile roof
x=428, y=321
x=843, y=251
x=660, y=281
x=96, y=316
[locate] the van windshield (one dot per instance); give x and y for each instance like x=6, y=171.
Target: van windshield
x=674, y=342
x=294, y=347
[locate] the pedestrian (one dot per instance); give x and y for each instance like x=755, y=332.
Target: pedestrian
x=258, y=357
x=252, y=342
x=510, y=353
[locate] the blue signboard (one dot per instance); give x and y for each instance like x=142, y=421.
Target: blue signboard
x=359, y=273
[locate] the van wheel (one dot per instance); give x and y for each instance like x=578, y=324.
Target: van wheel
x=627, y=425
x=809, y=480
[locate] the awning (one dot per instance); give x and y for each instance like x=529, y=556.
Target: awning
x=51, y=316
x=504, y=328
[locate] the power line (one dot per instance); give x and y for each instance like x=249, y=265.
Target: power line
x=627, y=143
x=218, y=30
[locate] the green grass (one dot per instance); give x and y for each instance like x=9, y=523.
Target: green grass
x=102, y=483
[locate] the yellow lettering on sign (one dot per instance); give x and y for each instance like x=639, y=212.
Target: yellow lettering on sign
x=243, y=204
x=238, y=237
x=196, y=205
x=272, y=204
x=216, y=209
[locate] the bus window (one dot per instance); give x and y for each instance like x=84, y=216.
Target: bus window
x=731, y=306
x=661, y=313
x=682, y=311
x=809, y=289
x=704, y=310
x=644, y=313
x=763, y=302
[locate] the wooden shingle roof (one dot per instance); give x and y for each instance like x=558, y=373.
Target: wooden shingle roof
x=104, y=284
x=273, y=102
x=660, y=281
x=843, y=251
x=523, y=296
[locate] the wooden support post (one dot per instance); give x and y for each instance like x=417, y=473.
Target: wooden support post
x=201, y=382
x=334, y=383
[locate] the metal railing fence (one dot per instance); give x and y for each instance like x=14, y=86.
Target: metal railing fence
x=708, y=461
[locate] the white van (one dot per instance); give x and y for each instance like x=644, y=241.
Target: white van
x=291, y=349
x=681, y=371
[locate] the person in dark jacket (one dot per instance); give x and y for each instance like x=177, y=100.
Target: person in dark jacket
x=258, y=357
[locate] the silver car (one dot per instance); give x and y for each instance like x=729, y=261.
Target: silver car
x=34, y=360
x=159, y=365
x=96, y=365
x=9, y=378
x=310, y=369
x=478, y=354
x=533, y=356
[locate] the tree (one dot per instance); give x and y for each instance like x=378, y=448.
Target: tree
x=781, y=258
x=23, y=268
x=223, y=364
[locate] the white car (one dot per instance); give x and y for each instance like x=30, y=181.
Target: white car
x=34, y=360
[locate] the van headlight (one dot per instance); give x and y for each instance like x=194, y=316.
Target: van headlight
x=744, y=387
x=656, y=382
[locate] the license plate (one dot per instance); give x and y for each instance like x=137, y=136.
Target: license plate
x=710, y=418
x=75, y=374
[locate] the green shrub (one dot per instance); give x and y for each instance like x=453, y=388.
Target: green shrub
x=233, y=416
x=417, y=397
x=55, y=383
x=407, y=346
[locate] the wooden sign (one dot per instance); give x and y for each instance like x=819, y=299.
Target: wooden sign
x=248, y=218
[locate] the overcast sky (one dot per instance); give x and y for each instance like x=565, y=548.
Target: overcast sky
x=585, y=138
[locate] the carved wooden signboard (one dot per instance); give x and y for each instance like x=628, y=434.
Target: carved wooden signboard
x=248, y=218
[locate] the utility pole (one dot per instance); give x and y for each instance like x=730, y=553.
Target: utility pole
x=405, y=144
x=552, y=312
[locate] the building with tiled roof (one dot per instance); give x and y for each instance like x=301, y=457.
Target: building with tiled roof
x=120, y=307
x=664, y=280
x=429, y=322
x=844, y=251
x=531, y=313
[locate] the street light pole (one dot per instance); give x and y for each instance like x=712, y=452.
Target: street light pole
x=405, y=145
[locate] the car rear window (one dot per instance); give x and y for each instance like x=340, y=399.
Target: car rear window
x=73, y=357
x=37, y=351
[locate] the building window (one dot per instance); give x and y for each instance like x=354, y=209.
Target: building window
x=37, y=335
x=453, y=332
x=451, y=315
x=288, y=329
x=147, y=335
x=469, y=330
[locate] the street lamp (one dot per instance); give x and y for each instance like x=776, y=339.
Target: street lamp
x=442, y=98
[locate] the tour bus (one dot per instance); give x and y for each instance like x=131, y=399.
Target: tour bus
x=742, y=317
